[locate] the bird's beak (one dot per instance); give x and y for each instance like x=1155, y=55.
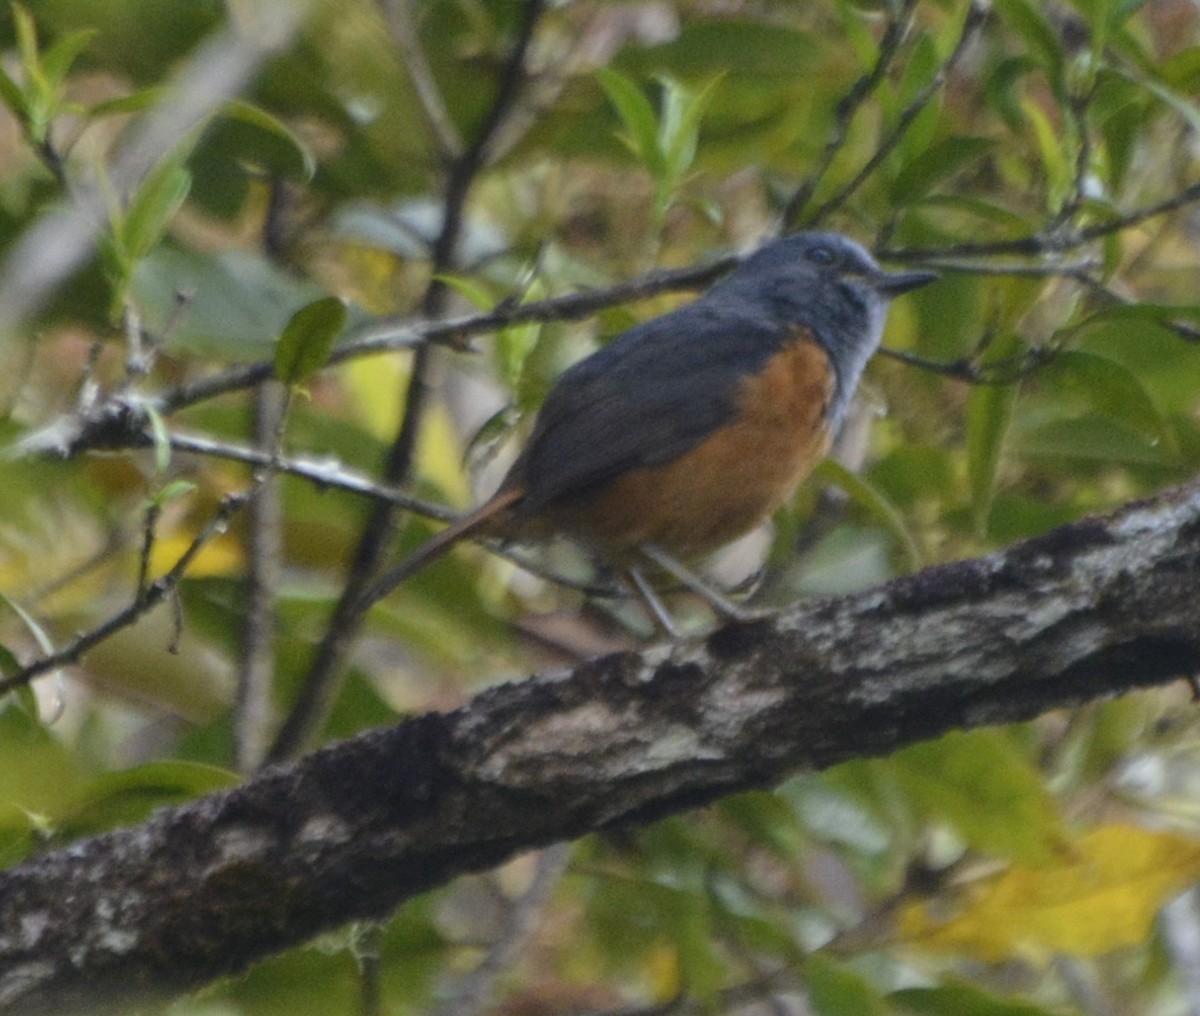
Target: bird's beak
x=894, y=283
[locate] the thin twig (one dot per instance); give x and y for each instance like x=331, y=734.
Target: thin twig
x=145, y=601
x=1079, y=270
x=256, y=661
x=326, y=473
x=47, y=151
x=895, y=32
x=403, y=27
x=1077, y=108
x=475, y=991
x=119, y=422
x=149, y=530
x=330, y=474
x=137, y=355
x=998, y=372
x=1058, y=242
x=368, y=949
x=976, y=14
x=264, y=551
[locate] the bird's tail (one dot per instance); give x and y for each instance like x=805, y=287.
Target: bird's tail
x=437, y=545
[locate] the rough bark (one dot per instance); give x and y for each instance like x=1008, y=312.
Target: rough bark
x=1093, y=609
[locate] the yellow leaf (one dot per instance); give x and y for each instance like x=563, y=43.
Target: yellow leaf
x=1103, y=896
x=663, y=968
x=220, y=556
x=376, y=383
x=439, y=456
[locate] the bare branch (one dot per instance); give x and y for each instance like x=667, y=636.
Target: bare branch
x=322, y=473
x=1093, y=609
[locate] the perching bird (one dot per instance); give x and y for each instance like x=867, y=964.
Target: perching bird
x=688, y=430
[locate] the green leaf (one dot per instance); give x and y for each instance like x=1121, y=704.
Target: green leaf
x=9, y=664
x=293, y=159
x=475, y=293
x=172, y=492
x=1109, y=387
x=45, y=643
x=308, y=338
x=157, y=200
x=128, y=796
x=14, y=97
x=1092, y=437
x=989, y=413
x=983, y=786
x=479, y=447
x=236, y=303
x=515, y=343
x=1158, y=313
x=161, y=438
x=848, y=559
x=871, y=499
x=637, y=115
x=38, y=777
x=27, y=46
x=135, y=102
x=937, y=163
x=59, y=58
x=836, y=990
x=680, y=132
x=1102, y=17
x=700, y=965
x=960, y=998
x=1182, y=105
x=858, y=34
x=1051, y=147
x=1028, y=21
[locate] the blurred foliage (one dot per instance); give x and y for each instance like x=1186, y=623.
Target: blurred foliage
x=1012, y=872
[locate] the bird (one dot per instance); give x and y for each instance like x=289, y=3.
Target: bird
x=690, y=429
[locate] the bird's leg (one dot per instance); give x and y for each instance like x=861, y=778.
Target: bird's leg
x=653, y=604
x=723, y=605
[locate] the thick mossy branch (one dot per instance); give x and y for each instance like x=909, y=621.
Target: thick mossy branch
x=1093, y=609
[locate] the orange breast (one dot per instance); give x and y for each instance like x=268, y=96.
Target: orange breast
x=732, y=481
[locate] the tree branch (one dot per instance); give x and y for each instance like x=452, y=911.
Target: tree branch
x=319, y=689
x=1093, y=609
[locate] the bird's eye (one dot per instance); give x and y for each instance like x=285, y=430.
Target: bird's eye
x=821, y=256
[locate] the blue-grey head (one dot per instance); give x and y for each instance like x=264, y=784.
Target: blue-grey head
x=828, y=283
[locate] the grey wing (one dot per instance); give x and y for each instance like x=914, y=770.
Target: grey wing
x=649, y=396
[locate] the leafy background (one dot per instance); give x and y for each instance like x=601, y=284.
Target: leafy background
x=1042, y=156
